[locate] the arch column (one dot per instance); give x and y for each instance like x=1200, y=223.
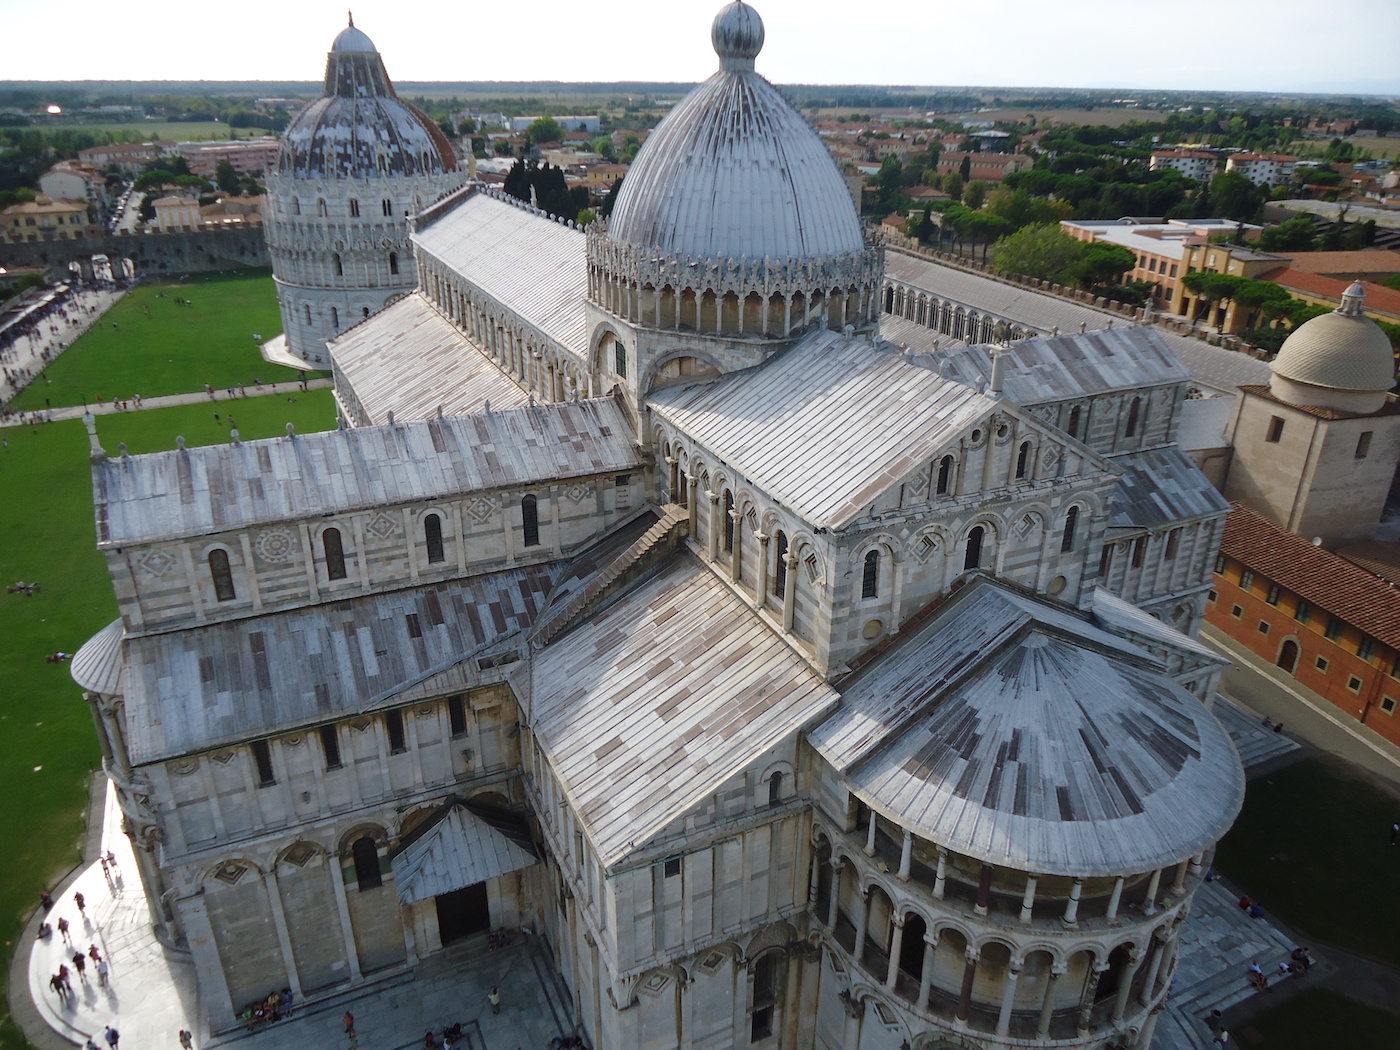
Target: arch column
x=279, y=924
x=1154, y=966
x=814, y=877
x=1115, y=898
x=1125, y=983
x=1149, y=906
x=1047, y=1004
x=790, y=591
x=834, y=904
x=761, y=593
x=940, y=875
x=1028, y=899
x=1091, y=987
x=1008, y=997
x=692, y=490
x=715, y=524
x=1072, y=905
x=1179, y=882
x=906, y=855
x=870, y=830
x=926, y=978
x=862, y=926
x=342, y=909
x=896, y=946
x=965, y=994
x=736, y=555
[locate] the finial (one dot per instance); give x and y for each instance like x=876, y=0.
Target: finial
x=1353, y=301
x=737, y=35
x=180, y=442
x=532, y=400
x=233, y=436
x=291, y=430
x=486, y=406
x=390, y=417
x=95, y=449
x=441, y=413
x=121, y=450
x=351, y=15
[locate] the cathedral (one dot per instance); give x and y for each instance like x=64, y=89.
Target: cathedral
x=798, y=690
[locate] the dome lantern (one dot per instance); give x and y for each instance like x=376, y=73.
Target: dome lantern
x=737, y=35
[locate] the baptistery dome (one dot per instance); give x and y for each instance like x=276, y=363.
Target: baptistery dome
x=735, y=171
x=1339, y=360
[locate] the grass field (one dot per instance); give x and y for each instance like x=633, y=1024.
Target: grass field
x=47, y=744
x=146, y=130
x=1321, y=1018
x=160, y=347
x=1312, y=844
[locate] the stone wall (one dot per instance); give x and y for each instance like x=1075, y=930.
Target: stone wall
x=153, y=252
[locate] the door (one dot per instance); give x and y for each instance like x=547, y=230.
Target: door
x=462, y=913
x=1288, y=656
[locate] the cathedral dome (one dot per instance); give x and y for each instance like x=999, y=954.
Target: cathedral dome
x=735, y=171
x=360, y=128
x=1343, y=350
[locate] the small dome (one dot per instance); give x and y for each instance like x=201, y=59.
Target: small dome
x=1343, y=350
x=737, y=34
x=352, y=39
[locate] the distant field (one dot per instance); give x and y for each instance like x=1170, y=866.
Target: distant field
x=1112, y=118
x=146, y=130
x=1377, y=147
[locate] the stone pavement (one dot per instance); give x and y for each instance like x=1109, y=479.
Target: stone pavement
x=150, y=994
x=28, y=352
x=1256, y=744
x=200, y=397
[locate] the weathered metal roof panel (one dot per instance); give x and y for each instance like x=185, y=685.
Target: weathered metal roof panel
x=1160, y=487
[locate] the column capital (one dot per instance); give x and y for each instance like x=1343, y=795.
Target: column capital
x=972, y=954
x=897, y=920
x=712, y=495
x=762, y=537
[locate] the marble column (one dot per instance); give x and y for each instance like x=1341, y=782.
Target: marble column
x=790, y=591
x=1154, y=964
x=896, y=947
x=1047, y=1004
x=1008, y=997
x=715, y=525
x=926, y=976
x=1149, y=906
x=1072, y=905
x=940, y=875
x=761, y=592
x=906, y=856
x=1028, y=899
x=1115, y=899
x=834, y=904
x=1125, y=984
x=870, y=830
x=862, y=926
x=965, y=994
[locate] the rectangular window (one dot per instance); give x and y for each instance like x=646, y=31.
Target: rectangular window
x=1334, y=628
x=1272, y=598
x=1263, y=626
x=1106, y=559
x=1363, y=444
x=415, y=628
x=1304, y=611
x=1275, y=429
x=1366, y=648
x=1172, y=273
x=330, y=746
x=1388, y=705
x=1354, y=684
x=1139, y=551
x=393, y=722
x=1246, y=580
x=1321, y=664
x=1173, y=543
x=1220, y=563
x=457, y=714
x=672, y=867
x=1212, y=597
x=262, y=755
x=1169, y=291
x=1236, y=611
x=622, y=481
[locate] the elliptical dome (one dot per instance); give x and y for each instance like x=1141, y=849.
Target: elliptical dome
x=1344, y=350
x=734, y=170
x=360, y=128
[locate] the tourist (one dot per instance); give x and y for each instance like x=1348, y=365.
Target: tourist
x=46, y=900
x=349, y=1021
x=102, y=970
x=80, y=964
x=1245, y=903
x=494, y=998
x=81, y=903
x=186, y=1039
x=63, y=929
x=112, y=859
x=111, y=1035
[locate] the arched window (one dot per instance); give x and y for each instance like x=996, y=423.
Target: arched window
x=1134, y=411
x=222, y=575
x=1071, y=523
x=335, y=318
x=945, y=476
x=620, y=359
x=432, y=536
x=339, y=266
x=366, y=854
x=321, y=207
x=1023, y=455
x=728, y=511
x=354, y=208
x=973, y=558
x=775, y=789
x=393, y=262
x=780, y=549
x=335, y=554
x=1073, y=428
x=767, y=980
x=530, y=520
x=306, y=308
x=364, y=311
x=870, y=580
x=296, y=205
x=388, y=207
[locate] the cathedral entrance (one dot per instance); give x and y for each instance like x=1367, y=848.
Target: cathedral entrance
x=463, y=912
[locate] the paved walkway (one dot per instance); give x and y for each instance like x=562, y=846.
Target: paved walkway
x=85, y=308
x=221, y=397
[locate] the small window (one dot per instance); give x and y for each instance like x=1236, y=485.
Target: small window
x=335, y=554
x=1220, y=563
x=622, y=481
x=780, y=550
x=1354, y=684
x=1363, y=444
x=414, y=624
x=1272, y=597
x=364, y=312
x=339, y=266
x=870, y=580
x=530, y=520
x=1023, y=455
x=394, y=262
x=388, y=207
x=1303, y=612
x=972, y=558
x=432, y=538
x=1173, y=543
x=1275, y=429
x=1388, y=705
x=1106, y=559
x=671, y=867
x=766, y=979
x=335, y=318
x=1212, y=597
x=306, y=309
x=1263, y=626
x=1236, y=611
x=262, y=755
x=221, y=574
x=296, y=206
x=330, y=746
x=366, y=855
x=727, y=509
x=1321, y=664
x=775, y=789
x=620, y=359
x=1334, y=628
x=354, y=208
x=945, y=475
x=1366, y=648
x=1246, y=580
x=1073, y=428
x=1071, y=523
x=457, y=714
x=1139, y=551
x=321, y=207
x=393, y=722
x=1134, y=417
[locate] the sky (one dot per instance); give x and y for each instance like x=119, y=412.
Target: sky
x=1263, y=45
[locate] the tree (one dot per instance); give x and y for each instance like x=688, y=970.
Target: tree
x=965, y=168
x=585, y=216
x=953, y=185
x=546, y=129
x=605, y=209
x=1296, y=235
x=226, y=176
x=983, y=228
x=467, y=127
x=1044, y=252
x=1103, y=263
x=1235, y=197
x=975, y=194
x=1254, y=295
x=921, y=229
x=1213, y=288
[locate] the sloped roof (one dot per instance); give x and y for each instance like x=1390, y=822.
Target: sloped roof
x=827, y=426
x=1327, y=580
x=1009, y=736
x=1161, y=486
x=222, y=684
x=456, y=850
x=1123, y=617
x=518, y=257
x=97, y=665
x=197, y=491
x=410, y=360
x=647, y=706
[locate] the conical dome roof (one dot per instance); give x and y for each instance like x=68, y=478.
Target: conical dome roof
x=735, y=171
x=1344, y=350
x=360, y=128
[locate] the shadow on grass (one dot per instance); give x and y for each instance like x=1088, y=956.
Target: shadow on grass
x=1318, y=1019
x=1313, y=845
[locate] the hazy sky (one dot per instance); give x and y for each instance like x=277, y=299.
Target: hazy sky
x=1289, y=45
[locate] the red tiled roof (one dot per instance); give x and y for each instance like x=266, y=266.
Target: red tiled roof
x=1326, y=580
x=1378, y=296
x=1365, y=260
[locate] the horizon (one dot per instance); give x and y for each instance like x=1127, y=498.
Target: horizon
x=1094, y=45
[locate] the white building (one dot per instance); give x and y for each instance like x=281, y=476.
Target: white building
x=75, y=181
x=353, y=166
x=1195, y=164
x=798, y=691
x=1264, y=169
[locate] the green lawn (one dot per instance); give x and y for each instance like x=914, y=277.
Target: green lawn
x=1313, y=845
x=1319, y=1018
x=146, y=130
x=47, y=745
x=172, y=350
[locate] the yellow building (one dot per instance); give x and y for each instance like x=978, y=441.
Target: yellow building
x=45, y=219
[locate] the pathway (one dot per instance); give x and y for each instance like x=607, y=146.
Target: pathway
x=27, y=352
x=108, y=408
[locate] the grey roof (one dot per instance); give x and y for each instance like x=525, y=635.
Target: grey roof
x=1011, y=301
x=97, y=665
x=1340, y=352
x=734, y=170
x=197, y=491
x=920, y=338
x=649, y=705
x=518, y=257
x=411, y=360
x=1201, y=422
x=352, y=39
x=457, y=850
x=1215, y=366
x=222, y=684
x=1072, y=366
x=1160, y=487
x=1123, y=617
x=1013, y=736
x=827, y=426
